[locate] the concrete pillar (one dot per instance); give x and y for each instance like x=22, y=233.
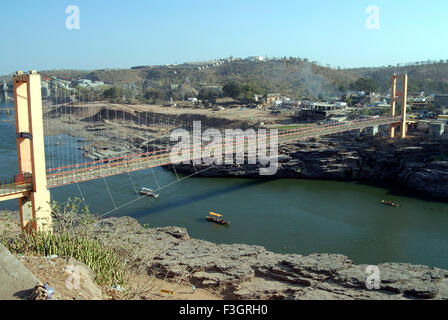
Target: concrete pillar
x=45, y=90
x=436, y=129
x=5, y=91
x=372, y=130
x=35, y=210
x=404, y=107
x=393, y=95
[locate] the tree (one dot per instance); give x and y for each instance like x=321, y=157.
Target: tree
x=117, y=94
x=249, y=90
x=208, y=95
x=243, y=92
x=113, y=93
x=232, y=90
x=87, y=94
x=154, y=95
x=349, y=101
x=364, y=84
x=341, y=87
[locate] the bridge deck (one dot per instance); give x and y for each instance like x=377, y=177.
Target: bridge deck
x=14, y=191
x=130, y=163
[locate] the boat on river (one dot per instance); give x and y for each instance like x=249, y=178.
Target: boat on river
x=148, y=192
x=217, y=218
x=390, y=203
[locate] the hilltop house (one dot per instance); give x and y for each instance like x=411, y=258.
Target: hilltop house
x=84, y=83
x=361, y=98
x=271, y=98
x=320, y=111
x=256, y=58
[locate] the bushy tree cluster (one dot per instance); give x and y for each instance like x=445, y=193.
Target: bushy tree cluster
x=364, y=84
x=242, y=92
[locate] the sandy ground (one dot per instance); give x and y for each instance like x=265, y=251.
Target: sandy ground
x=233, y=114
x=146, y=132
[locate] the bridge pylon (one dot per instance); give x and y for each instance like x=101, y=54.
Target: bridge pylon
x=396, y=96
x=35, y=208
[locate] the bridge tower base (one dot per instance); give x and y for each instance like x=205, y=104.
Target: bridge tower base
x=35, y=208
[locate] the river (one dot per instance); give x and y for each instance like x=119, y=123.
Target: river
x=285, y=216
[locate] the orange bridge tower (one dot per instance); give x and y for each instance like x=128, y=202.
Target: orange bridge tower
x=34, y=206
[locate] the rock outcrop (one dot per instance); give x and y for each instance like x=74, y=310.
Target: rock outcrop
x=241, y=271
x=418, y=164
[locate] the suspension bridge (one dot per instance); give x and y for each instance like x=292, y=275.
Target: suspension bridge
x=38, y=173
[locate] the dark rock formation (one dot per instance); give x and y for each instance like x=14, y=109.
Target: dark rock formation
x=415, y=163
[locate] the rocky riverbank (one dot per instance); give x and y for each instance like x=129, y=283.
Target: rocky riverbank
x=417, y=163
x=239, y=271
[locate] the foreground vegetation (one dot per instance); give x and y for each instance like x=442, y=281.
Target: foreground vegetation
x=104, y=262
x=115, y=263
x=71, y=239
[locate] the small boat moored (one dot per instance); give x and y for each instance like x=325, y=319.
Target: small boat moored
x=217, y=218
x=148, y=192
x=390, y=203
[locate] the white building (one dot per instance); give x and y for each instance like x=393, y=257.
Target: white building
x=256, y=58
x=84, y=83
x=340, y=104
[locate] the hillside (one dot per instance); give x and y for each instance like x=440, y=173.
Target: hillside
x=293, y=77
x=428, y=77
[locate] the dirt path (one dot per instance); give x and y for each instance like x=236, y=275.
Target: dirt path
x=180, y=292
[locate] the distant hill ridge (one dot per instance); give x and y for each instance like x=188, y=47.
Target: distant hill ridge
x=294, y=77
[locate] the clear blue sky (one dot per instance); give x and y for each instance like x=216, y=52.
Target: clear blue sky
x=125, y=33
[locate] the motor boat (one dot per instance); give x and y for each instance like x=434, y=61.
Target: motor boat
x=148, y=192
x=217, y=218
x=390, y=203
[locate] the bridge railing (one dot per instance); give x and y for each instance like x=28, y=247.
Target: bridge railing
x=21, y=182
x=338, y=128
x=13, y=188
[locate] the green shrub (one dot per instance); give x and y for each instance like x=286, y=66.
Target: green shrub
x=71, y=238
x=106, y=264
